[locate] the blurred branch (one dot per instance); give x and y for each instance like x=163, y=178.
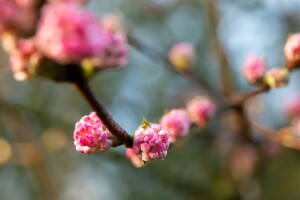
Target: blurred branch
x=253, y=94
x=155, y=55
x=105, y=117
x=226, y=73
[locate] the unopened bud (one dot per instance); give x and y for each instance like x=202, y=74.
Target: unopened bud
x=201, y=110
x=177, y=122
x=182, y=56
x=254, y=69
x=276, y=77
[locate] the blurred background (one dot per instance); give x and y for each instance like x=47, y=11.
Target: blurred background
x=37, y=117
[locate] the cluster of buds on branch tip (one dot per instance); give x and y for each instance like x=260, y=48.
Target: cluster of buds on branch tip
x=64, y=34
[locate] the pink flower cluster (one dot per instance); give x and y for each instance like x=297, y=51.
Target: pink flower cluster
x=69, y=34
x=116, y=52
x=90, y=134
x=254, y=69
x=201, y=109
x=24, y=54
x=150, y=142
x=18, y=16
x=177, y=122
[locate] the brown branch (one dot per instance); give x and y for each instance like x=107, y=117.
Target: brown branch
x=105, y=117
x=226, y=73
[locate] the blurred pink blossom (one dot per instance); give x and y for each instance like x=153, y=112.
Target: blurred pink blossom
x=292, y=48
x=18, y=16
x=116, y=52
x=254, y=69
x=67, y=34
x=182, y=56
x=177, y=122
x=201, y=109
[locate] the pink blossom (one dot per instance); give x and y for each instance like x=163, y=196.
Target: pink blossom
x=150, y=141
x=90, y=134
x=22, y=57
x=201, y=109
x=292, y=48
x=116, y=52
x=177, y=123
x=136, y=161
x=19, y=16
x=69, y=34
x=182, y=56
x=254, y=69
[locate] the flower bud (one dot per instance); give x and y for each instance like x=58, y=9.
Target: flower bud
x=22, y=58
x=276, y=77
x=135, y=160
x=254, y=69
x=182, y=56
x=292, y=49
x=201, y=109
x=90, y=134
x=177, y=122
x=150, y=141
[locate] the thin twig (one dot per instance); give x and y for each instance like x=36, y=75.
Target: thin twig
x=103, y=114
x=155, y=55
